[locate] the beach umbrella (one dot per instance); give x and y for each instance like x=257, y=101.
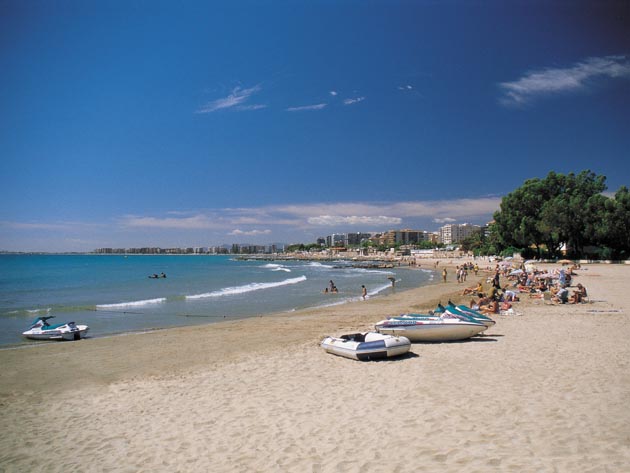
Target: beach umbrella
x=516, y=271
x=565, y=261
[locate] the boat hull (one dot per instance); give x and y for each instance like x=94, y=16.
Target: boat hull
x=369, y=346
x=430, y=331
x=447, y=315
x=68, y=335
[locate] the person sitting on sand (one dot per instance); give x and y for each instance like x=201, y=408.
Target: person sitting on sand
x=491, y=308
x=541, y=286
x=578, y=295
x=474, y=290
x=561, y=295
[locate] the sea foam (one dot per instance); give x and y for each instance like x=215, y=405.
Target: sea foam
x=255, y=286
x=277, y=267
x=122, y=305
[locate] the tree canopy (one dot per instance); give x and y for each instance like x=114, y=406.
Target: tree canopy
x=565, y=213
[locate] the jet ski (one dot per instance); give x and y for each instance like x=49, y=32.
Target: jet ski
x=41, y=330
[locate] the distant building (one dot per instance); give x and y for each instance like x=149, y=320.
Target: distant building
x=355, y=239
x=405, y=237
x=336, y=240
x=455, y=233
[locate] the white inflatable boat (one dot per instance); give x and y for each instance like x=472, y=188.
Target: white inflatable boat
x=366, y=346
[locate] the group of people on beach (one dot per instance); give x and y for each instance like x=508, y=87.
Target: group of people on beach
x=551, y=286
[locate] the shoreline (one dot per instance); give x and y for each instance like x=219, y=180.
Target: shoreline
x=545, y=391
x=319, y=318
x=351, y=298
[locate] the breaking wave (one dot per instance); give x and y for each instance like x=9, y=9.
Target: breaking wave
x=122, y=305
x=255, y=286
x=277, y=267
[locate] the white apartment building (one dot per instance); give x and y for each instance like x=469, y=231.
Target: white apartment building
x=454, y=233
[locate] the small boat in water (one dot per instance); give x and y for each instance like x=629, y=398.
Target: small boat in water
x=430, y=329
x=41, y=330
x=367, y=346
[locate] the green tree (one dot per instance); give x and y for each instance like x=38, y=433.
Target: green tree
x=552, y=212
x=613, y=229
x=517, y=221
x=569, y=211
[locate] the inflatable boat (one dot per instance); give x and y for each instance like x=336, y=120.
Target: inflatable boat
x=367, y=346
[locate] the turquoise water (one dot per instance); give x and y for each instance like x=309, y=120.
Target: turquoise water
x=113, y=294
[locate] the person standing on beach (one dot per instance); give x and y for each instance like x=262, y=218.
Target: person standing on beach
x=363, y=291
x=444, y=273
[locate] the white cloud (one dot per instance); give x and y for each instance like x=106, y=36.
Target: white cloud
x=333, y=93
x=195, y=222
x=281, y=222
x=405, y=87
x=48, y=226
x=238, y=232
x=331, y=220
x=353, y=101
x=251, y=107
x=315, y=214
x=236, y=98
x=561, y=80
x=33, y=226
x=318, y=106
x=389, y=214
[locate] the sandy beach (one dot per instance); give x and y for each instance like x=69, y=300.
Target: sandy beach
x=545, y=391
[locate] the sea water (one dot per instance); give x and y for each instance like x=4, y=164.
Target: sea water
x=113, y=294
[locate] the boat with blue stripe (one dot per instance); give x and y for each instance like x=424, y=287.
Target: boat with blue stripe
x=465, y=313
x=430, y=329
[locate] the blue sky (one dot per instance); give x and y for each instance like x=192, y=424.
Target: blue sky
x=144, y=123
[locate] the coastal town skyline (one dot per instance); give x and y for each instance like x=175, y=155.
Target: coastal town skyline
x=447, y=235
x=150, y=124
